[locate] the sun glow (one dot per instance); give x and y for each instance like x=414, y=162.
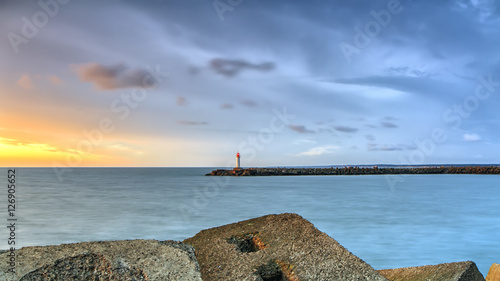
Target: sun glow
x=27, y=154
x=19, y=154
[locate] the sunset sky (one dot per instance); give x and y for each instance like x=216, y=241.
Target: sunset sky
x=190, y=83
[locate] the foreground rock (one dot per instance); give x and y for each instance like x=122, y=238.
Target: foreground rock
x=108, y=260
x=275, y=247
x=463, y=271
x=494, y=273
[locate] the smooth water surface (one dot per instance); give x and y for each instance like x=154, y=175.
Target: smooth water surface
x=423, y=219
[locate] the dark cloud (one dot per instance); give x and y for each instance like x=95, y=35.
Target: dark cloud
x=345, y=129
x=416, y=55
x=113, y=77
x=191, y=123
x=181, y=101
x=324, y=130
x=407, y=71
x=388, y=125
x=226, y=106
x=300, y=129
x=230, y=68
x=399, y=69
x=390, y=118
x=193, y=70
x=248, y=103
x=370, y=137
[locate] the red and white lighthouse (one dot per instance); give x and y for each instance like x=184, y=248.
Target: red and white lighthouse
x=238, y=160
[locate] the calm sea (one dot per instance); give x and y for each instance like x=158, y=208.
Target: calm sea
x=422, y=219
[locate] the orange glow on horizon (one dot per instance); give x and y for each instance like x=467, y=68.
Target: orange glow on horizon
x=30, y=155
x=28, y=141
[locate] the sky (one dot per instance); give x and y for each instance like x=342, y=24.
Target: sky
x=285, y=83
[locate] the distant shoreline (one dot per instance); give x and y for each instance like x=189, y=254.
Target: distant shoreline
x=355, y=170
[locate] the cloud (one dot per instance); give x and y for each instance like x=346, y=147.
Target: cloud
x=230, y=68
x=388, y=125
x=472, y=137
x=370, y=137
x=25, y=82
x=389, y=147
x=31, y=144
x=399, y=69
x=112, y=77
x=408, y=71
x=324, y=122
x=319, y=150
x=55, y=80
x=397, y=75
x=485, y=9
x=345, y=129
x=424, y=86
x=192, y=123
x=358, y=119
x=121, y=147
x=248, y=103
x=390, y=118
x=181, y=101
x=302, y=141
x=193, y=70
x=300, y=129
x=226, y=106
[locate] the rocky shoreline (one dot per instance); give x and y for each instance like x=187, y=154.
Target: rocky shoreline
x=270, y=248
x=237, y=172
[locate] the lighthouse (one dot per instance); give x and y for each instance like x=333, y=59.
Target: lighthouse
x=237, y=160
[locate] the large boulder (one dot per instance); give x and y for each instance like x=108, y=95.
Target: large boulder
x=105, y=260
x=84, y=267
x=462, y=271
x=494, y=273
x=275, y=247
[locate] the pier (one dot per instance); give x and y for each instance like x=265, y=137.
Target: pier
x=331, y=171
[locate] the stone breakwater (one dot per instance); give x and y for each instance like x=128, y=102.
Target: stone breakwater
x=355, y=171
x=283, y=247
